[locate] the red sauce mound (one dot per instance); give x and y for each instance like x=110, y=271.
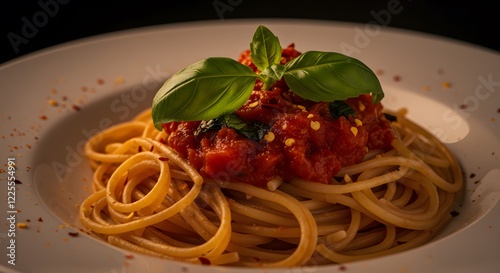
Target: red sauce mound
x=303, y=140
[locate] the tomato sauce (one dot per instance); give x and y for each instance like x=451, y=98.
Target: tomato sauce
x=303, y=139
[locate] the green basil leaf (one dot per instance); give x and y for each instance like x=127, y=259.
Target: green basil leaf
x=255, y=131
x=265, y=48
x=339, y=108
x=233, y=121
x=330, y=76
x=203, y=91
x=205, y=126
x=272, y=74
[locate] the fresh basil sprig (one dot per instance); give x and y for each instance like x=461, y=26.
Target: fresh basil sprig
x=215, y=87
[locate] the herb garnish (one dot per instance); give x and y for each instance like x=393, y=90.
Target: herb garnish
x=339, y=108
x=218, y=86
x=255, y=131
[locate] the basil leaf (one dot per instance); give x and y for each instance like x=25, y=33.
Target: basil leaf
x=330, y=76
x=205, y=126
x=233, y=121
x=203, y=91
x=260, y=130
x=265, y=48
x=272, y=74
x=339, y=108
x=255, y=131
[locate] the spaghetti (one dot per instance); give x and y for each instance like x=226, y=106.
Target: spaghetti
x=148, y=199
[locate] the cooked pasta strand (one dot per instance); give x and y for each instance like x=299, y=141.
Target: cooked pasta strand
x=148, y=199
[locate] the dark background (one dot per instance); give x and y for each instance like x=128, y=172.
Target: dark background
x=57, y=21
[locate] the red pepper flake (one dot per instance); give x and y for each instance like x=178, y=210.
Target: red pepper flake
x=17, y=181
x=498, y=110
x=397, y=78
x=73, y=234
x=139, y=149
x=446, y=85
x=477, y=181
x=53, y=103
x=342, y=268
x=163, y=141
x=204, y=260
x=129, y=256
x=40, y=219
x=152, y=148
x=163, y=158
x=76, y=107
x=463, y=106
x=472, y=175
x=119, y=80
x=43, y=117
x=100, y=81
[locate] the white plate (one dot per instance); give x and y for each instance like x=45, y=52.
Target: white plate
x=449, y=87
